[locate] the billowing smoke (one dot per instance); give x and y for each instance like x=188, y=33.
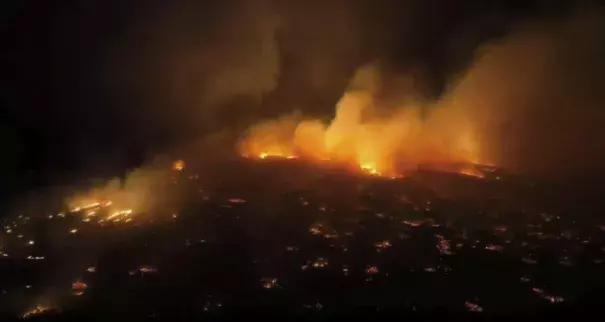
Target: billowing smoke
x=141, y=190
x=193, y=67
x=528, y=102
x=534, y=96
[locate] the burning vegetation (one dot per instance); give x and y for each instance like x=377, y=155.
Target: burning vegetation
x=365, y=234
x=365, y=137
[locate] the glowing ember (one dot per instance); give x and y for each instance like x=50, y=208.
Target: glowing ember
x=370, y=168
x=443, y=245
x=78, y=287
x=549, y=297
x=500, y=229
x=472, y=172
x=178, y=165
x=118, y=216
x=317, y=229
x=89, y=206
x=269, y=283
x=414, y=223
x=473, y=307
x=320, y=263
x=383, y=244
x=38, y=310
x=277, y=155
x=148, y=269
x=494, y=248
x=372, y=270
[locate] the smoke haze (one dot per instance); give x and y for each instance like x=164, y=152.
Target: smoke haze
x=152, y=75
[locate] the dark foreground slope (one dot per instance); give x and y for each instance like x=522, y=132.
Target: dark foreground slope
x=288, y=239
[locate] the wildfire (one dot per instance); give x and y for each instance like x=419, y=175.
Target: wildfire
x=362, y=135
x=266, y=155
x=38, y=310
x=370, y=168
x=118, y=216
x=104, y=209
x=89, y=205
x=472, y=172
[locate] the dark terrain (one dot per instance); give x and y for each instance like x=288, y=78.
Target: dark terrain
x=285, y=238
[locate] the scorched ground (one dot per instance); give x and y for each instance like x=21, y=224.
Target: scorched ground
x=282, y=236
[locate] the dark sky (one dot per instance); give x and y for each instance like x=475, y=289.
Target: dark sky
x=90, y=85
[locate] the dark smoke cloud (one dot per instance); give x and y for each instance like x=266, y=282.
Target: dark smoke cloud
x=188, y=61
x=548, y=100
x=155, y=73
x=539, y=66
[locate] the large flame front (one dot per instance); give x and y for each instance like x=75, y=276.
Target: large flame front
x=361, y=135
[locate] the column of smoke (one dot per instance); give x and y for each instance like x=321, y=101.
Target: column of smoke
x=141, y=190
x=196, y=58
x=529, y=102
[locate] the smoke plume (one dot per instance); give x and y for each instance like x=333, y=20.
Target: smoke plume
x=528, y=102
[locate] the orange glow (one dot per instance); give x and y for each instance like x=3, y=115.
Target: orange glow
x=178, y=165
x=265, y=155
x=38, y=310
x=92, y=209
x=370, y=168
x=78, y=288
x=375, y=137
x=472, y=172
x=119, y=215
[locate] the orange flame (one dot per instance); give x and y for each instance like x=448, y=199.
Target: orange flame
x=360, y=135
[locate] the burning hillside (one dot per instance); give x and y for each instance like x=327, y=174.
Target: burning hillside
x=340, y=167
x=295, y=236
x=367, y=133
